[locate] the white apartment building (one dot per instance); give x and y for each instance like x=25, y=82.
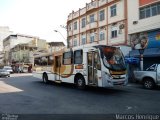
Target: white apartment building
x=144, y=20
x=99, y=22
x=12, y=41
x=4, y=32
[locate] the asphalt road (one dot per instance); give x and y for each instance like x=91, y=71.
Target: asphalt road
x=24, y=94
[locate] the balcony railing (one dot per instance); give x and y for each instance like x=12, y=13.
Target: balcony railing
x=91, y=25
x=83, y=11
x=92, y=5
x=75, y=14
x=102, y=2
x=69, y=33
x=70, y=17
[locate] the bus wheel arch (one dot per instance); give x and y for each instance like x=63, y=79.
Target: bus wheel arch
x=45, y=78
x=79, y=81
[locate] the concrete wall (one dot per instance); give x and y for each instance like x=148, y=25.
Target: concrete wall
x=142, y=24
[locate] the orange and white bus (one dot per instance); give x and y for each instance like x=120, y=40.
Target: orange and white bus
x=98, y=65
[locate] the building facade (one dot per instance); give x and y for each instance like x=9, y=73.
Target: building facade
x=19, y=48
x=99, y=22
x=144, y=29
x=4, y=32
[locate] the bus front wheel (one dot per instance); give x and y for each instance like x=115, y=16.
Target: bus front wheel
x=45, y=78
x=80, y=82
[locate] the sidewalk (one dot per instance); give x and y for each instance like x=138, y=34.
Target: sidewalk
x=20, y=74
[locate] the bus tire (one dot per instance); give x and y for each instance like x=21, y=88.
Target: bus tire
x=148, y=83
x=45, y=78
x=80, y=82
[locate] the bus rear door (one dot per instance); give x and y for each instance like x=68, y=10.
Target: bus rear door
x=57, y=67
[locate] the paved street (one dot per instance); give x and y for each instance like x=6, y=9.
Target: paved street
x=23, y=94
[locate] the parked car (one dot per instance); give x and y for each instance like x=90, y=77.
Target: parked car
x=8, y=68
x=150, y=77
x=4, y=73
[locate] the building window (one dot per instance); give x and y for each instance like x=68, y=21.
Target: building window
x=142, y=14
x=158, y=7
x=70, y=43
x=113, y=10
x=92, y=38
x=75, y=25
x=102, y=36
x=75, y=43
x=78, y=57
x=101, y=15
x=113, y=33
x=149, y=11
x=69, y=27
x=154, y=10
x=83, y=22
x=92, y=18
x=83, y=40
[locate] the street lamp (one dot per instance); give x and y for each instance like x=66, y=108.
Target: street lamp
x=141, y=51
x=60, y=34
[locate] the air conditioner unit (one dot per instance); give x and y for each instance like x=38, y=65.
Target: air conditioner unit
x=135, y=22
x=113, y=24
x=121, y=26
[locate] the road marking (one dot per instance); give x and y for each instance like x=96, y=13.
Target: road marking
x=128, y=107
x=5, y=88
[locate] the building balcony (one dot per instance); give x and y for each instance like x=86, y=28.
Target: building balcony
x=70, y=17
x=69, y=33
x=91, y=25
x=75, y=32
x=75, y=14
x=82, y=11
x=83, y=29
x=92, y=5
x=102, y=2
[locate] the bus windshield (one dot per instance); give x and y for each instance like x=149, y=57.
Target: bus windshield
x=113, y=58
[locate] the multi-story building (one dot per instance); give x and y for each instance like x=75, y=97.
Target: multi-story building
x=144, y=29
x=55, y=46
x=52, y=47
x=1, y=58
x=4, y=32
x=13, y=40
x=20, y=48
x=99, y=22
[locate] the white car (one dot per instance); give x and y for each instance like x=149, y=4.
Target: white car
x=4, y=73
x=8, y=68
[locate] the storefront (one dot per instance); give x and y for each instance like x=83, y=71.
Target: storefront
x=150, y=42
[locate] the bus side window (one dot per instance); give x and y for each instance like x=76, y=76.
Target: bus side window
x=67, y=58
x=97, y=61
x=78, y=57
x=50, y=60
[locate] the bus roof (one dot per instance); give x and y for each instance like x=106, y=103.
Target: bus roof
x=43, y=55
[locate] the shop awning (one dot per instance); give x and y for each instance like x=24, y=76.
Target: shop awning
x=151, y=52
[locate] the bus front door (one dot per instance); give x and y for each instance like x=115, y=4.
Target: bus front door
x=57, y=68
x=92, y=70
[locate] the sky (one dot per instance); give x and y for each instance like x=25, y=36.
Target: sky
x=38, y=17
